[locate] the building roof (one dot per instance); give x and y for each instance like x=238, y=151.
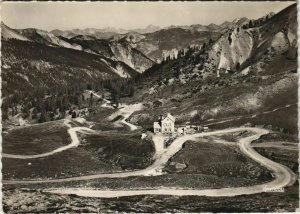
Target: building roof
x=170, y=117
x=156, y=125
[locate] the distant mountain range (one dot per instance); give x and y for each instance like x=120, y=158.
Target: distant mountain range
x=103, y=33
x=250, y=67
x=188, y=58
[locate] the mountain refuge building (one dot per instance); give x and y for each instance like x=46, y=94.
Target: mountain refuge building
x=165, y=125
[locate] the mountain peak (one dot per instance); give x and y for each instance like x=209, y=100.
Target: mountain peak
x=151, y=26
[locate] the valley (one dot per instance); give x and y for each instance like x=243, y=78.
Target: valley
x=81, y=107
x=284, y=177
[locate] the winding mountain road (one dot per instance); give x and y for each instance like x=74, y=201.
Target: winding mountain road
x=283, y=176
x=125, y=111
x=74, y=143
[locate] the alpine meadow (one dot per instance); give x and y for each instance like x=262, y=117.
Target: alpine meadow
x=149, y=107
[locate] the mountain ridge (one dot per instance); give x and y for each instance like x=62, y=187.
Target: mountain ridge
x=253, y=66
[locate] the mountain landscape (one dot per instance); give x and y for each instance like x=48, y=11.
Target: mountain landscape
x=262, y=58
x=104, y=33
x=90, y=98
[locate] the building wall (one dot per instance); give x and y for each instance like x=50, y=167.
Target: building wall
x=157, y=130
x=167, y=126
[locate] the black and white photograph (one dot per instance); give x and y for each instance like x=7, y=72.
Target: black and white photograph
x=149, y=107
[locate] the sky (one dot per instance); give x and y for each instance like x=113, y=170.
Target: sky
x=129, y=15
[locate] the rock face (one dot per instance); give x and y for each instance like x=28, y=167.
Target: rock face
x=248, y=42
x=27, y=65
x=231, y=49
x=119, y=50
x=155, y=45
x=280, y=43
x=172, y=54
x=249, y=69
x=35, y=35
x=135, y=59
x=9, y=33
x=152, y=41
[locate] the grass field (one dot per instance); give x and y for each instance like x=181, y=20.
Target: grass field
x=108, y=151
x=208, y=165
x=36, y=139
x=286, y=157
x=199, y=102
x=97, y=154
x=206, y=156
x=72, y=162
x=123, y=149
x=285, y=119
x=17, y=199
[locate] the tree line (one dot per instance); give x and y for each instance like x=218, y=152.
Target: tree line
x=47, y=104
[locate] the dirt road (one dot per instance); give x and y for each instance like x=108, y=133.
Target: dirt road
x=283, y=176
x=74, y=143
x=125, y=111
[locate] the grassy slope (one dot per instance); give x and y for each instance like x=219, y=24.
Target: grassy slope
x=50, y=67
x=108, y=151
x=125, y=150
x=225, y=161
x=233, y=101
x=36, y=139
x=285, y=118
x=231, y=95
x=284, y=156
x=17, y=200
x=73, y=162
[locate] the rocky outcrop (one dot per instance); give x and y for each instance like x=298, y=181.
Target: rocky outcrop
x=231, y=49
x=244, y=44
x=122, y=51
